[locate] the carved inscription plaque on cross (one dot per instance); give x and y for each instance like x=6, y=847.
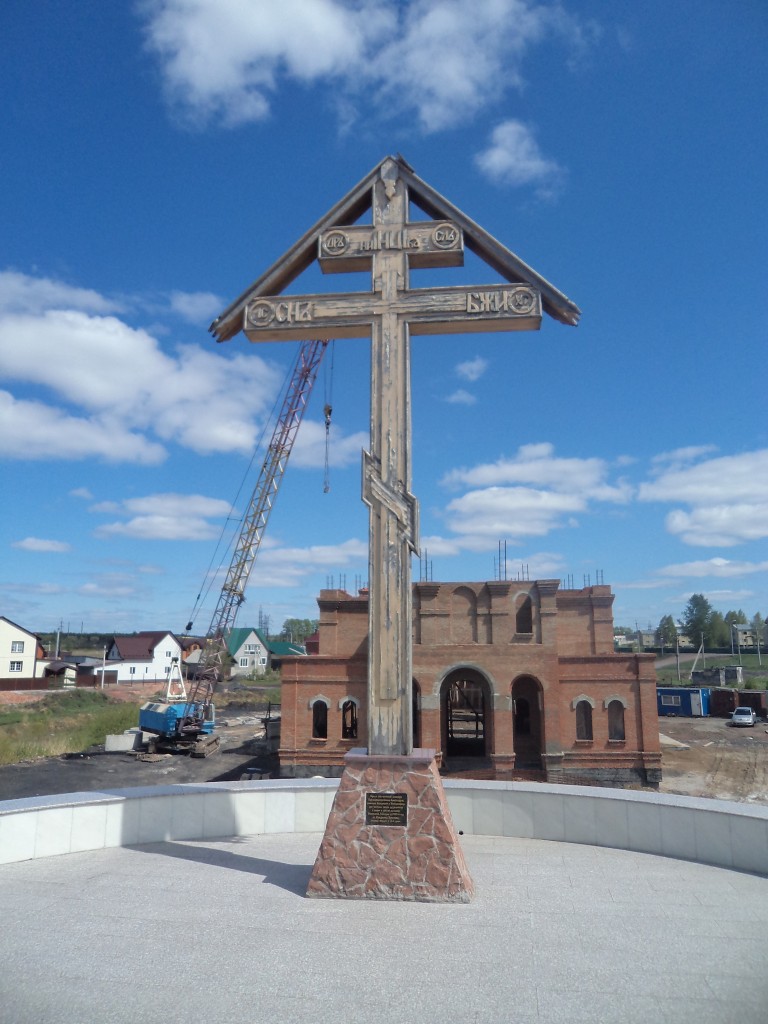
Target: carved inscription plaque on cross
x=389, y=314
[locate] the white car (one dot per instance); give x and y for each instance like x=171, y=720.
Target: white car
x=743, y=716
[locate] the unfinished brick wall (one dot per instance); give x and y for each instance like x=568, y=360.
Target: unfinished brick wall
x=529, y=650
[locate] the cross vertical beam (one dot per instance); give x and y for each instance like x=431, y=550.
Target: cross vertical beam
x=393, y=519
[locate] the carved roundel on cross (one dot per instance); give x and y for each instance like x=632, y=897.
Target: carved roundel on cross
x=522, y=300
x=335, y=243
x=446, y=236
x=261, y=314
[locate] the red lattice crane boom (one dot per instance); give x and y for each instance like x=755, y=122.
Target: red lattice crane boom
x=214, y=653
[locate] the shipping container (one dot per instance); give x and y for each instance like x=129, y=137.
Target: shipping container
x=755, y=699
x=685, y=701
x=722, y=702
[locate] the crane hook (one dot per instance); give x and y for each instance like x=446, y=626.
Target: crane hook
x=327, y=411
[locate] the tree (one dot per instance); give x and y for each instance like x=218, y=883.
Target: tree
x=297, y=630
x=695, y=619
x=666, y=632
x=758, y=628
x=718, y=632
x=735, y=618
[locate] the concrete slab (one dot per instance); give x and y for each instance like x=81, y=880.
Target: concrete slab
x=221, y=931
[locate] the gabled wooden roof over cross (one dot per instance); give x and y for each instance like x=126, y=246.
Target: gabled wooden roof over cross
x=357, y=202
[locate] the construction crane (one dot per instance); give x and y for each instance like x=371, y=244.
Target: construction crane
x=187, y=721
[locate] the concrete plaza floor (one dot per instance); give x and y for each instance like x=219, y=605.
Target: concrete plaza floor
x=221, y=932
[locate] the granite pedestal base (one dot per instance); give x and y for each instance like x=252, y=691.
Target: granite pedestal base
x=417, y=859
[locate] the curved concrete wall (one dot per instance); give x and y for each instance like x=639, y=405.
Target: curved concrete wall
x=725, y=834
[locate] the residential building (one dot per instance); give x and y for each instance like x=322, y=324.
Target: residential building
x=745, y=636
x=143, y=657
x=279, y=650
x=249, y=650
x=19, y=651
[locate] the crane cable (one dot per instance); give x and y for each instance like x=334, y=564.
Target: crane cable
x=211, y=575
x=327, y=413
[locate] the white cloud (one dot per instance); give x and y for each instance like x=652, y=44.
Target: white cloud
x=288, y=567
x=682, y=456
x=22, y=293
x=537, y=465
x=461, y=397
x=108, y=586
x=435, y=545
x=442, y=59
x=32, y=430
x=510, y=511
x=713, y=567
x=164, y=517
x=726, y=497
x=514, y=158
x=196, y=307
x=472, y=369
x=81, y=492
x=527, y=495
x=38, y=544
x=117, y=394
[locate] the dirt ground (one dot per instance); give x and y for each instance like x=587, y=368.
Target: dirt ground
x=720, y=761
x=707, y=757
x=242, y=747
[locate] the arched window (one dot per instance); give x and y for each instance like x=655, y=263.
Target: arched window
x=583, y=720
x=463, y=616
x=319, y=720
x=349, y=720
x=524, y=617
x=616, y=720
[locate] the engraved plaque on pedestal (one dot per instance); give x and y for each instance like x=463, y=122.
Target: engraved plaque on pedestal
x=386, y=809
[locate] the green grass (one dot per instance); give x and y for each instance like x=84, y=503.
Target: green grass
x=247, y=695
x=62, y=723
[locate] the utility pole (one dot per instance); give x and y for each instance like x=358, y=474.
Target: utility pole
x=677, y=656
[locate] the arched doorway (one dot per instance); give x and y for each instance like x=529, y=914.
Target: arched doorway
x=465, y=711
x=527, y=723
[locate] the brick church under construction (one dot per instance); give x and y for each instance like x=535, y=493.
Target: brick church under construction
x=510, y=680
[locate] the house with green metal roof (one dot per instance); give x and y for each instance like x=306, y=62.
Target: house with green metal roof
x=279, y=649
x=249, y=650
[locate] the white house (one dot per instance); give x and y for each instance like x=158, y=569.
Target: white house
x=19, y=651
x=249, y=650
x=143, y=657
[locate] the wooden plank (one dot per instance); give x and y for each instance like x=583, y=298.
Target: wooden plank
x=426, y=244
x=452, y=310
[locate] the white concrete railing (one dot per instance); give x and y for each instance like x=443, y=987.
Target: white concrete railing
x=721, y=833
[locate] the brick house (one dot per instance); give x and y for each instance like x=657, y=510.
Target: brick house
x=508, y=678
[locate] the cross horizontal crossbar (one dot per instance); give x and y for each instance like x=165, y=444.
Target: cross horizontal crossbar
x=426, y=244
x=455, y=310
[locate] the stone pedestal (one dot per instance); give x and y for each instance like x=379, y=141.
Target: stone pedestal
x=417, y=858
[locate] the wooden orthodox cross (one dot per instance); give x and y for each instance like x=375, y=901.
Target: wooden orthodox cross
x=389, y=314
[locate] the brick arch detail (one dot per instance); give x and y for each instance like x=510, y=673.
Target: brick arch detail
x=470, y=666
x=344, y=700
x=581, y=697
x=615, y=696
x=321, y=698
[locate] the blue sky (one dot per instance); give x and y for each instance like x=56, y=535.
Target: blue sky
x=158, y=156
